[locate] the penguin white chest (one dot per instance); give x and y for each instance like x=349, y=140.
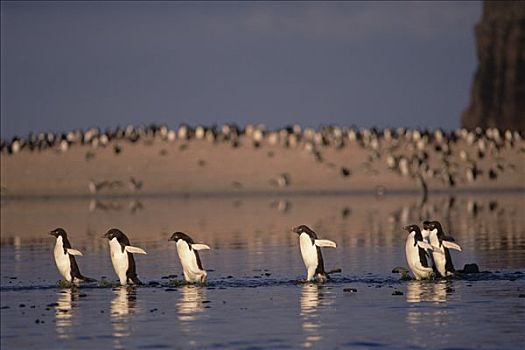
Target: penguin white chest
x=426, y=235
x=62, y=259
x=413, y=259
x=188, y=260
x=119, y=259
x=438, y=254
x=308, y=251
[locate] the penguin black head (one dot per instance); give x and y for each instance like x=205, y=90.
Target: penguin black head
x=58, y=232
x=115, y=233
x=412, y=228
x=304, y=229
x=417, y=232
x=180, y=235
x=432, y=225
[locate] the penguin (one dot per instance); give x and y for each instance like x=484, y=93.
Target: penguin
x=122, y=256
x=311, y=253
x=65, y=258
x=440, y=248
x=426, y=238
x=416, y=250
x=188, y=253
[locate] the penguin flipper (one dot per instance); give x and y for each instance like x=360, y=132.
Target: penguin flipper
x=436, y=250
x=451, y=245
x=199, y=246
x=325, y=243
x=137, y=250
x=424, y=245
x=72, y=251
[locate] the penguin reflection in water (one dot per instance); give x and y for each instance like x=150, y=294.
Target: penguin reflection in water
x=188, y=253
x=65, y=258
x=122, y=256
x=311, y=252
x=440, y=248
x=418, y=258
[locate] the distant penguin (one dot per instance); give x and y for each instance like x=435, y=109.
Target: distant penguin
x=65, y=258
x=188, y=253
x=122, y=256
x=416, y=250
x=311, y=253
x=440, y=248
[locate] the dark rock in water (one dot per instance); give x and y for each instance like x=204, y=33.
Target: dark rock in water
x=470, y=268
x=170, y=290
x=5, y=307
x=52, y=304
x=397, y=292
x=498, y=90
x=22, y=305
x=350, y=290
x=153, y=283
x=521, y=296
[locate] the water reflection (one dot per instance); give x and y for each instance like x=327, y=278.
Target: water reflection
x=190, y=307
x=313, y=298
x=115, y=205
x=479, y=222
x=64, y=312
x=435, y=313
x=122, y=306
x=190, y=304
x=427, y=291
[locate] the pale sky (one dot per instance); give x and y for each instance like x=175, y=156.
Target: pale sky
x=67, y=65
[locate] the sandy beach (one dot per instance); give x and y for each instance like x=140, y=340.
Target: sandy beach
x=157, y=166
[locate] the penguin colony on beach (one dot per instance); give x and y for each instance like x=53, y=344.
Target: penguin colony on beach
x=449, y=157
x=427, y=254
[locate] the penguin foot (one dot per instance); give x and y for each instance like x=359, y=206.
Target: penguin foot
x=304, y=281
x=66, y=284
x=86, y=279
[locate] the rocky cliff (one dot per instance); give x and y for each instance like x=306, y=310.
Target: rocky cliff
x=498, y=90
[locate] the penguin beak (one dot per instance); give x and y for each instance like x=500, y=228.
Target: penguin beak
x=52, y=233
x=406, y=228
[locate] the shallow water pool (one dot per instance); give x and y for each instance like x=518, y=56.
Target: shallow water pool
x=254, y=299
